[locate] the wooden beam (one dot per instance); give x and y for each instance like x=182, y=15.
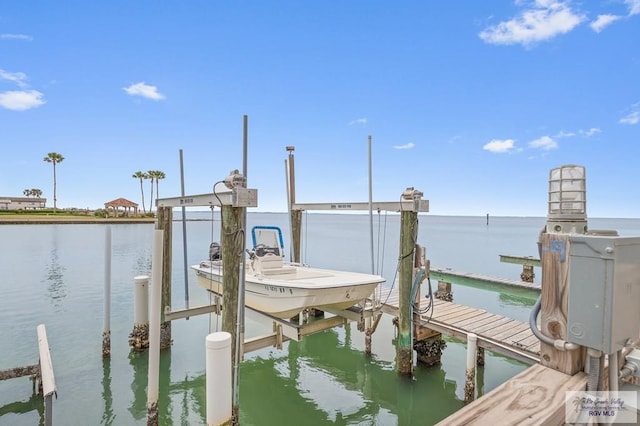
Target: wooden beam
x=520, y=260
x=390, y=206
x=13, y=373
x=534, y=397
x=190, y=312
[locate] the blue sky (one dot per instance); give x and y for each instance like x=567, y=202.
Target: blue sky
x=472, y=103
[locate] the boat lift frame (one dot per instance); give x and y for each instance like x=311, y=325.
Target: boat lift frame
x=283, y=330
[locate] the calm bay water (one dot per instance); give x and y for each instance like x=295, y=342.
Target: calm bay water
x=54, y=275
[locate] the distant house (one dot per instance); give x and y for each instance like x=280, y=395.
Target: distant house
x=22, y=203
x=121, y=207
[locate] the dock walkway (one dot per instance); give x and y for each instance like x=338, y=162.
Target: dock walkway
x=495, y=332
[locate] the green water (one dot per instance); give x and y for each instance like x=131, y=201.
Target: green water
x=53, y=274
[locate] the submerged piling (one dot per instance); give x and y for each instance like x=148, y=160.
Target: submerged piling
x=470, y=374
x=154, y=329
x=106, y=330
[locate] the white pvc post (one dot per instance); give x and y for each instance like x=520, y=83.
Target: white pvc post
x=106, y=329
x=470, y=376
x=218, y=378
x=141, y=299
x=154, y=328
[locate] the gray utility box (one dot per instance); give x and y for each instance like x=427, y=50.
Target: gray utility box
x=604, y=291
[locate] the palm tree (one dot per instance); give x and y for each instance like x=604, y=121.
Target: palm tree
x=151, y=175
x=141, y=175
x=27, y=192
x=159, y=175
x=37, y=193
x=55, y=158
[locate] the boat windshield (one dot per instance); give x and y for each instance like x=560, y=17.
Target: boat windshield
x=267, y=239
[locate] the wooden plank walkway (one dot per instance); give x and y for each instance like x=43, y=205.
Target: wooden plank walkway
x=495, y=332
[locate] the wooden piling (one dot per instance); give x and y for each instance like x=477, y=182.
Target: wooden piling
x=296, y=232
x=444, y=291
x=231, y=253
x=404, y=348
x=555, y=301
x=165, y=222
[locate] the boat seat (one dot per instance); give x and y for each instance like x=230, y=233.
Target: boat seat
x=270, y=262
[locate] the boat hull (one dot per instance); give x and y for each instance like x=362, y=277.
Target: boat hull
x=287, y=294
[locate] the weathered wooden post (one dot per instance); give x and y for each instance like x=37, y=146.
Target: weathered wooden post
x=566, y=215
x=408, y=236
x=444, y=291
x=164, y=222
x=295, y=216
x=554, y=310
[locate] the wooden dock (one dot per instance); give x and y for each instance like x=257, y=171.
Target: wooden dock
x=495, y=332
x=482, y=281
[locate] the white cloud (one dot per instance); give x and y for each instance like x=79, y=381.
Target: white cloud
x=358, y=121
x=405, y=146
x=632, y=118
x=588, y=133
x=634, y=6
x=144, y=90
x=21, y=100
x=499, y=146
x=603, y=21
x=563, y=134
x=544, y=20
x=545, y=142
x=15, y=37
x=17, y=77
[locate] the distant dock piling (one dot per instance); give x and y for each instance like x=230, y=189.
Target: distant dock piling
x=106, y=331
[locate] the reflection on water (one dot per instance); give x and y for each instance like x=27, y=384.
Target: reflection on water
x=35, y=403
x=138, y=408
x=328, y=382
x=54, y=276
x=108, y=415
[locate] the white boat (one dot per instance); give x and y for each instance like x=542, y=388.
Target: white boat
x=284, y=289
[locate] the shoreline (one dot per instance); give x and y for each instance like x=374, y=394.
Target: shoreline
x=32, y=220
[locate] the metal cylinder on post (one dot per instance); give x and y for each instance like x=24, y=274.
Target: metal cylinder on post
x=218, y=378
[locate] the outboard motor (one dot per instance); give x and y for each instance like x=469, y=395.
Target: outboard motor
x=215, y=251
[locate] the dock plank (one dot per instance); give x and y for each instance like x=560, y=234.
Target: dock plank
x=535, y=396
x=495, y=332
